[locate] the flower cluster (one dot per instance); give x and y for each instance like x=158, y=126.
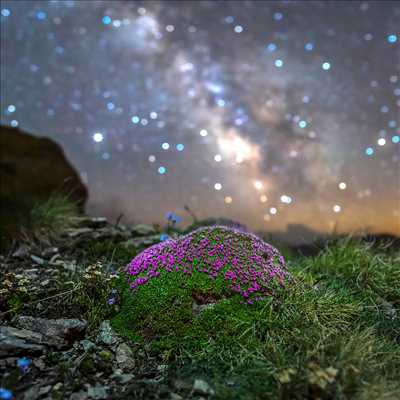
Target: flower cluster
x=14, y=288
x=250, y=266
x=14, y=283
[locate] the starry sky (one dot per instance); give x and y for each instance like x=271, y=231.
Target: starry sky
x=269, y=113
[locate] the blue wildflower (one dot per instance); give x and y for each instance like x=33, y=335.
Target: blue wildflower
x=164, y=237
x=24, y=364
x=173, y=218
x=5, y=394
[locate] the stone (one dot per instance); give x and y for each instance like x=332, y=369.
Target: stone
x=202, y=387
x=124, y=357
x=89, y=222
x=119, y=376
x=106, y=334
x=22, y=251
x=32, y=393
x=8, y=362
x=37, y=260
x=75, y=232
x=97, y=392
x=142, y=241
x=39, y=363
x=56, y=331
x=87, y=345
x=49, y=252
x=78, y=396
x=44, y=390
x=142, y=230
x=20, y=342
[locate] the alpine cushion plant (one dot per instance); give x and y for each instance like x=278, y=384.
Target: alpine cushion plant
x=248, y=265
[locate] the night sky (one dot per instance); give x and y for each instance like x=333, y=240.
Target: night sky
x=268, y=113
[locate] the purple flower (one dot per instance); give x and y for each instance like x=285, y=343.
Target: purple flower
x=249, y=266
x=111, y=301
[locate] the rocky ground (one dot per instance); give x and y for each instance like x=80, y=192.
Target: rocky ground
x=47, y=350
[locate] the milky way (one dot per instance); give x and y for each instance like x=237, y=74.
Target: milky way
x=269, y=113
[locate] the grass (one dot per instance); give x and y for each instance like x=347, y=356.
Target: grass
x=35, y=220
x=55, y=214
x=333, y=334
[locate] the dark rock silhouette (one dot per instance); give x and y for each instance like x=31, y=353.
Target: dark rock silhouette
x=34, y=169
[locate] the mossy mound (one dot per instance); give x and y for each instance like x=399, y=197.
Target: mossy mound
x=247, y=264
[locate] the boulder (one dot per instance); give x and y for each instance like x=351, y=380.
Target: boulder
x=57, y=331
x=16, y=342
x=32, y=169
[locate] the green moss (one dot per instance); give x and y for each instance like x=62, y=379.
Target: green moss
x=88, y=366
x=106, y=356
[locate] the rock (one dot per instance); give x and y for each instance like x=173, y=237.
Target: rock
x=22, y=251
x=44, y=390
x=7, y=363
x=97, y=392
x=111, y=233
x=107, y=335
x=121, y=377
x=142, y=230
x=202, y=387
x=32, y=393
x=89, y=222
x=124, y=357
x=142, y=241
x=36, y=167
x=32, y=170
x=78, y=396
x=39, y=363
x=50, y=252
x=31, y=273
x=56, y=331
x=75, y=232
x=20, y=341
x=87, y=345
x=37, y=260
